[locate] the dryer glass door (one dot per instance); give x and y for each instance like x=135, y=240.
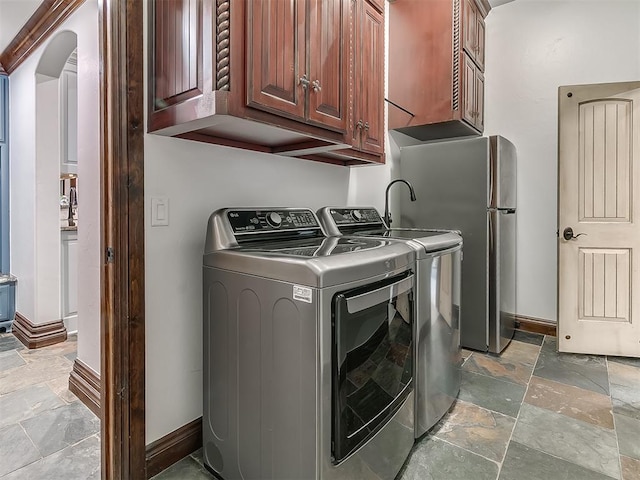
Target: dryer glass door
x=372, y=364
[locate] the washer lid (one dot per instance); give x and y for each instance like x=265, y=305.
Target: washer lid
x=317, y=262
x=366, y=221
x=430, y=240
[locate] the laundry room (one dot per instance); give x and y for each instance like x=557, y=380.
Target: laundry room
x=279, y=210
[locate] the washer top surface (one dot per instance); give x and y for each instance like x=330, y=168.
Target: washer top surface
x=289, y=245
x=366, y=221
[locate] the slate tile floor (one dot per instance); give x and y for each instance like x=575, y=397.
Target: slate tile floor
x=45, y=431
x=529, y=414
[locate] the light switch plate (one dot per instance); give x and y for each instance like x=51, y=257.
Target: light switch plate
x=159, y=211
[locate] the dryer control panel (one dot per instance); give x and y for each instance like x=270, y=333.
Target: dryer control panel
x=351, y=216
x=278, y=219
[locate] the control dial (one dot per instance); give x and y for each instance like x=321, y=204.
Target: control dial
x=274, y=219
x=357, y=215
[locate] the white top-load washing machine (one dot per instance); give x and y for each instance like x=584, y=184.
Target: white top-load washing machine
x=308, y=354
x=437, y=328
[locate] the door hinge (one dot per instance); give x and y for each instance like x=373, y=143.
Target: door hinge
x=110, y=255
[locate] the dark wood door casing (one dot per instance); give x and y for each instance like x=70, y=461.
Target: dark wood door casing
x=122, y=275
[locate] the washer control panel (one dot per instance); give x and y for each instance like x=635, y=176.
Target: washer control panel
x=262, y=221
x=355, y=216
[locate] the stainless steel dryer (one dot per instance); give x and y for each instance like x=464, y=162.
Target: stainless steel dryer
x=308, y=355
x=437, y=327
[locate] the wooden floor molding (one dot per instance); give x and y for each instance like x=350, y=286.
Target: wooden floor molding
x=37, y=336
x=84, y=383
x=174, y=446
x=536, y=325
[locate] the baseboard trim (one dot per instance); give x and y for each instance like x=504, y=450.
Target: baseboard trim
x=37, y=336
x=536, y=325
x=174, y=446
x=84, y=383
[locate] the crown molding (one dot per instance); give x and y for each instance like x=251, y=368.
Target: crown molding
x=44, y=21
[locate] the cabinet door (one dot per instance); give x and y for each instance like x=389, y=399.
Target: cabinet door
x=276, y=61
x=177, y=38
x=369, y=79
x=69, y=122
x=469, y=28
x=69, y=280
x=480, y=41
x=479, y=101
x=468, y=86
x=329, y=62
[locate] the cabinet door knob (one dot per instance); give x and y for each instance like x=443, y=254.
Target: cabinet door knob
x=359, y=125
x=316, y=85
x=366, y=125
x=304, y=81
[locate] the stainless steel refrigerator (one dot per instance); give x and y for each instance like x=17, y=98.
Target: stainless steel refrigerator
x=470, y=185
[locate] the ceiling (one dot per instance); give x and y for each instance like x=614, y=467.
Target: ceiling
x=13, y=15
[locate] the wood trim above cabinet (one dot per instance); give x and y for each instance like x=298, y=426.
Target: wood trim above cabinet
x=41, y=335
x=44, y=21
x=174, y=446
x=84, y=383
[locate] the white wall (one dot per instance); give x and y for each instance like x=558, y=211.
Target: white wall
x=24, y=261
x=22, y=158
x=47, y=221
x=533, y=47
x=85, y=23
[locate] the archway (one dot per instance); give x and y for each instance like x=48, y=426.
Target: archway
x=55, y=242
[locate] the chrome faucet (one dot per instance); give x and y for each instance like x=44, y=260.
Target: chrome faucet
x=387, y=213
x=73, y=202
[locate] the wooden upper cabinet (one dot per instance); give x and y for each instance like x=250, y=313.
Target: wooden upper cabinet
x=274, y=76
x=436, y=60
x=369, y=79
x=276, y=56
x=177, y=37
x=298, y=59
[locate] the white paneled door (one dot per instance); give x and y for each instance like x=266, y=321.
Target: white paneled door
x=599, y=219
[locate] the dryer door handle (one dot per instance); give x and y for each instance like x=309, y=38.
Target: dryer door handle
x=384, y=294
